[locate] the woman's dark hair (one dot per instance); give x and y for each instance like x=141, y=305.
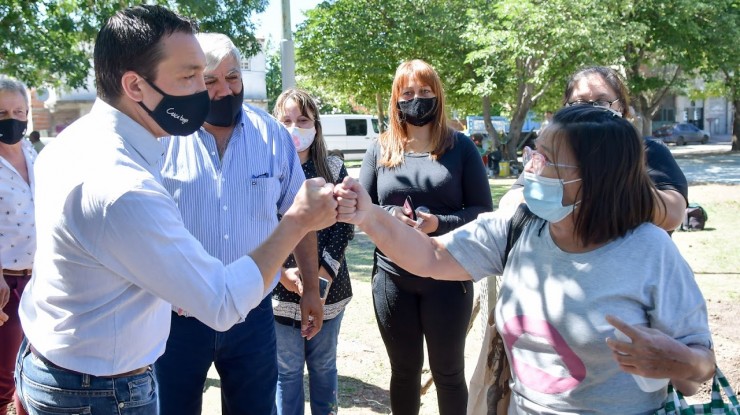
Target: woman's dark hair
x=317, y=152
x=610, y=76
x=616, y=193
x=131, y=41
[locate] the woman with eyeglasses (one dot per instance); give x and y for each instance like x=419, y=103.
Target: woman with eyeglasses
x=578, y=272
x=603, y=87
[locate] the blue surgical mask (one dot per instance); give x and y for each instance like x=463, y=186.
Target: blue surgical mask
x=544, y=197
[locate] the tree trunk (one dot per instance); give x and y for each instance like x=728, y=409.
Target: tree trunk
x=736, y=126
x=381, y=124
x=487, y=122
x=643, y=107
x=515, y=132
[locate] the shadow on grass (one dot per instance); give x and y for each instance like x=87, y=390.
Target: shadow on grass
x=354, y=393
x=211, y=383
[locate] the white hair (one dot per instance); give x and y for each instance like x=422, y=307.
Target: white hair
x=217, y=47
x=13, y=85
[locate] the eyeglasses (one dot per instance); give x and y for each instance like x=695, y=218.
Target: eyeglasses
x=539, y=162
x=598, y=103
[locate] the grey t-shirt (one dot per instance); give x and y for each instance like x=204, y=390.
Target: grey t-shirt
x=553, y=303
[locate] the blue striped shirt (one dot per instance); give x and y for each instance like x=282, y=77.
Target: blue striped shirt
x=231, y=205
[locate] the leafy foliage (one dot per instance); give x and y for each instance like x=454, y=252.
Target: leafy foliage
x=525, y=48
x=50, y=41
x=721, y=60
x=273, y=78
x=351, y=48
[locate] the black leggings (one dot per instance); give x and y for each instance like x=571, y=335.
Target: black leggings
x=409, y=310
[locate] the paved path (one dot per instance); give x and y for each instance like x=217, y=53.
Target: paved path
x=709, y=163
x=701, y=163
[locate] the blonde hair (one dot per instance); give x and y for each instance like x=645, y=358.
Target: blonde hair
x=392, y=141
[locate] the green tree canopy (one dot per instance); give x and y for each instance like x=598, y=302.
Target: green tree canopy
x=49, y=42
x=527, y=48
x=721, y=60
x=351, y=48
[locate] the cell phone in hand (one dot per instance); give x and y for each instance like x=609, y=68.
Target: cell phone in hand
x=324, y=285
x=408, y=208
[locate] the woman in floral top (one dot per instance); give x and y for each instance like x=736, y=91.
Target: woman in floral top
x=298, y=112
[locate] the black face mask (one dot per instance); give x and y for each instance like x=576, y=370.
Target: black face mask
x=179, y=115
x=418, y=111
x=223, y=112
x=12, y=130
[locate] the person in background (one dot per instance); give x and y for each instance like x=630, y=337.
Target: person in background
x=478, y=141
x=17, y=226
x=113, y=252
x=298, y=112
x=577, y=273
x=230, y=180
x=547, y=121
x=421, y=163
x=604, y=87
x=35, y=139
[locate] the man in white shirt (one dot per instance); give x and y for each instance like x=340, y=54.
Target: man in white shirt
x=112, y=250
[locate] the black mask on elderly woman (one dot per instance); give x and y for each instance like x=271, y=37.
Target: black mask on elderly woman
x=418, y=111
x=224, y=111
x=12, y=130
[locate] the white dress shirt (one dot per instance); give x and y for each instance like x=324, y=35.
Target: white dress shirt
x=113, y=253
x=17, y=226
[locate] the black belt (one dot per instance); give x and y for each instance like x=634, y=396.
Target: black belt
x=17, y=272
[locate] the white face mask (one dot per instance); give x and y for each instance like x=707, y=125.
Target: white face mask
x=302, y=137
x=544, y=197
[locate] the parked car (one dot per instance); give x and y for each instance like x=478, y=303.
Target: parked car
x=350, y=134
x=681, y=134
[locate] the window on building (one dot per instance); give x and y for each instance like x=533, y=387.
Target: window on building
x=245, y=66
x=665, y=115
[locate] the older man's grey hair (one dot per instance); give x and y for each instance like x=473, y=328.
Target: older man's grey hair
x=8, y=84
x=217, y=47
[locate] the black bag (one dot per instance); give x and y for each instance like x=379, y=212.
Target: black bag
x=695, y=218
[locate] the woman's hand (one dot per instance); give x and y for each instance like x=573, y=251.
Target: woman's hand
x=653, y=354
x=426, y=222
x=291, y=280
x=4, y=292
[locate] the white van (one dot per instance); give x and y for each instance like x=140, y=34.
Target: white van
x=352, y=134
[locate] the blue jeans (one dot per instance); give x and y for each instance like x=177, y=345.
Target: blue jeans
x=244, y=356
x=320, y=356
x=46, y=389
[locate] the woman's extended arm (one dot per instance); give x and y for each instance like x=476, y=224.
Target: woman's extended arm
x=428, y=258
